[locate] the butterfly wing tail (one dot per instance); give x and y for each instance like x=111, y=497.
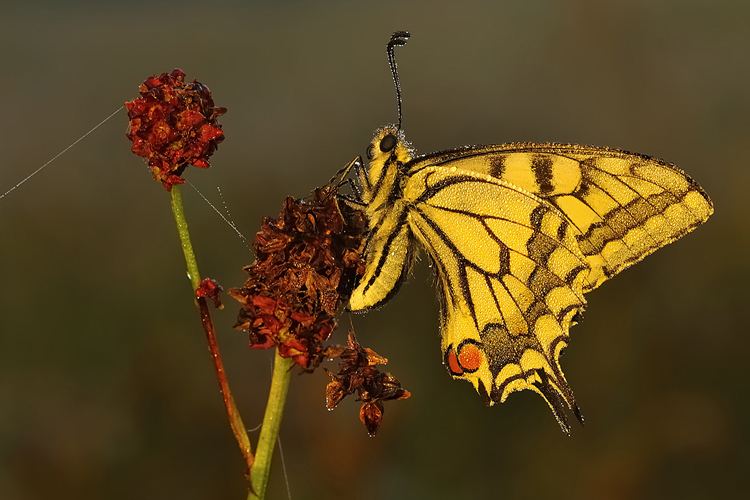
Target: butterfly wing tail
x=557, y=396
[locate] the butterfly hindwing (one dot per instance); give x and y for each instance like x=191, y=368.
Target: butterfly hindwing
x=511, y=281
x=624, y=206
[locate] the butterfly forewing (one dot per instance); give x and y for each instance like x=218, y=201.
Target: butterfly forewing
x=623, y=206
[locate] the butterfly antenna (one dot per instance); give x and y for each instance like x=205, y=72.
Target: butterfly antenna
x=397, y=39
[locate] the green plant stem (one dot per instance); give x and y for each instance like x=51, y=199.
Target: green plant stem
x=271, y=424
x=182, y=228
x=235, y=421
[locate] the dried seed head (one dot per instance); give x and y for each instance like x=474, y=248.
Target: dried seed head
x=307, y=261
x=359, y=374
x=307, y=264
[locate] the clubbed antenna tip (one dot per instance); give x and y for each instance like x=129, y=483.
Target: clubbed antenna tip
x=398, y=39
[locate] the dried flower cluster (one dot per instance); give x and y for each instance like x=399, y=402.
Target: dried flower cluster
x=306, y=264
x=358, y=373
x=174, y=124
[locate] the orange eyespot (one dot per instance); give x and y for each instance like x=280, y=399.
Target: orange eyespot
x=470, y=357
x=467, y=358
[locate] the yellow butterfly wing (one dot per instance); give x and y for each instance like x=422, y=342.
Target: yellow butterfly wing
x=624, y=206
x=511, y=280
x=518, y=233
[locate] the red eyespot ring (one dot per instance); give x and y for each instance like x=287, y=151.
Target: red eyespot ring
x=452, y=362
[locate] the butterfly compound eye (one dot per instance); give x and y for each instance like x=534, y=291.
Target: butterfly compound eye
x=388, y=143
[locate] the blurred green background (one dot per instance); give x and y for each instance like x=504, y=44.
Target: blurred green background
x=106, y=388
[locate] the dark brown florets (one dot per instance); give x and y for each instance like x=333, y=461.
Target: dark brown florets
x=306, y=264
x=174, y=124
x=358, y=373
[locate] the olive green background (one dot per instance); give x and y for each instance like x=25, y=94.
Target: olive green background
x=106, y=388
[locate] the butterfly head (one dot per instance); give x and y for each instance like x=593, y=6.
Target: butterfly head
x=389, y=145
x=387, y=153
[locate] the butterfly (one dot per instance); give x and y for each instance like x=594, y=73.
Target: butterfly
x=517, y=234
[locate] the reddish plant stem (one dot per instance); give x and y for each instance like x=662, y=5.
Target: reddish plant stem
x=235, y=421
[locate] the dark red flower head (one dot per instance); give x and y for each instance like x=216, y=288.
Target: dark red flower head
x=174, y=124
